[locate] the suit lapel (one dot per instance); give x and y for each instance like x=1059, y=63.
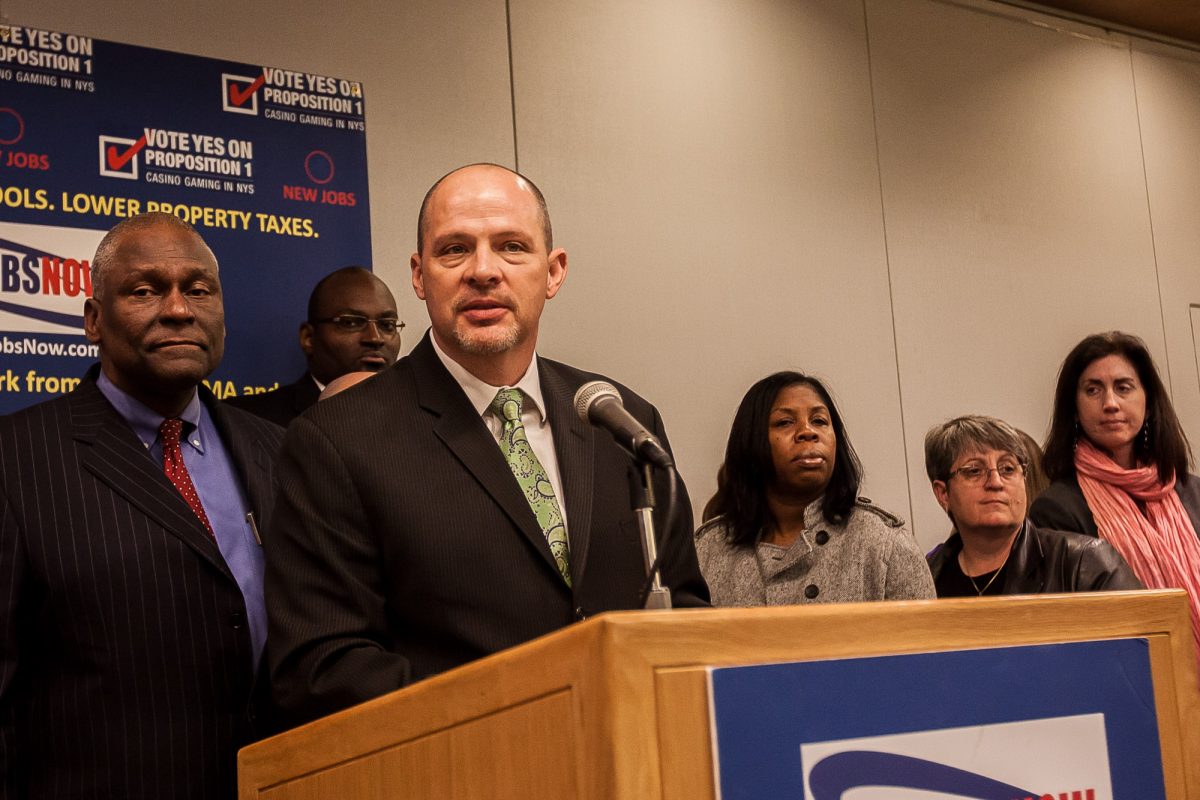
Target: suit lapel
x=465, y=434
x=252, y=460
x=306, y=393
x=574, y=444
x=114, y=454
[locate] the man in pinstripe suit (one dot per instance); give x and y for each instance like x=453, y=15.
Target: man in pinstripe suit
x=131, y=612
x=405, y=542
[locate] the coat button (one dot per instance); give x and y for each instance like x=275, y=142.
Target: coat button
x=811, y=591
x=236, y=620
x=579, y=615
x=822, y=537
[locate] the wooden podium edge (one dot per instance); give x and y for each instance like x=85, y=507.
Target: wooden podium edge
x=628, y=675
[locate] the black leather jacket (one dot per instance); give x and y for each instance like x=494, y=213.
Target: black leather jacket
x=1046, y=562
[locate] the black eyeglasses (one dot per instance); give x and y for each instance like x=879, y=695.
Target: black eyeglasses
x=353, y=323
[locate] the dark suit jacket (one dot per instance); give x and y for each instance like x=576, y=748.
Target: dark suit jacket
x=125, y=657
x=282, y=405
x=1063, y=507
x=402, y=545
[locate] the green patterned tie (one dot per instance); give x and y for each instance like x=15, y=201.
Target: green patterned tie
x=530, y=475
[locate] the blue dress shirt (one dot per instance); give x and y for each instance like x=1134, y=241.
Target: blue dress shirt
x=216, y=481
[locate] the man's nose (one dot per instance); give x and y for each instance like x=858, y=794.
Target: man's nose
x=484, y=266
x=175, y=305
x=371, y=333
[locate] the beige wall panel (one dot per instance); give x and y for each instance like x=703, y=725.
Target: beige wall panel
x=1015, y=206
x=435, y=75
x=1168, y=91
x=711, y=170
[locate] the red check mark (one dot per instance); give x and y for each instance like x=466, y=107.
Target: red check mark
x=240, y=96
x=119, y=160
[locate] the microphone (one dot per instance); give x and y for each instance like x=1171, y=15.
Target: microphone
x=599, y=403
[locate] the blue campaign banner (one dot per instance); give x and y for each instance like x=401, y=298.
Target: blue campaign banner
x=1072, y=721
x=268, y=164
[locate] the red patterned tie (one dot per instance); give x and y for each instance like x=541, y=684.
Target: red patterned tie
x=176, y=470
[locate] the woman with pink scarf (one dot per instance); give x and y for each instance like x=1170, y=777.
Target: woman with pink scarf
x=1118, y=461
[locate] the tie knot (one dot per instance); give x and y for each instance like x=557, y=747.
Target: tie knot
x=170, y=429
x=507, y=405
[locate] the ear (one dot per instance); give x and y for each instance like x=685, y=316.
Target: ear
x=91, y=320
x=557, y=271
x=306, y=338
x=942, y=493
x=418, y=275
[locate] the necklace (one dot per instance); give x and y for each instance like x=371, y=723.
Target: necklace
x=991, y=580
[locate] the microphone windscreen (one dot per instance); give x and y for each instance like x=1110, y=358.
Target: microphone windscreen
x=587, y=395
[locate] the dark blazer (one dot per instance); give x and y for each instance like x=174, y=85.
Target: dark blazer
x=1047, y=562
x=402, y=545
x=1063, y=507
x=282, y=405
x=125, y=657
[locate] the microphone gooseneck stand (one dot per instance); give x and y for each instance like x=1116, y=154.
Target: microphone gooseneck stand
x=599, y=403
x=652, y=595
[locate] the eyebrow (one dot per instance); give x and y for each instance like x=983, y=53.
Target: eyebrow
x=1005, y=456
x=358, y=312
x=1098, y=382
x=794, y=410
x=458, y=235
x=193, y=273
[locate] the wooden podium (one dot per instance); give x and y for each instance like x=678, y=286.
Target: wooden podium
x=616, y=708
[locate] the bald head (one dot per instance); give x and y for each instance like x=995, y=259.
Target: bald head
x=107, y=249
x=352, y=325
x=343, y=382
x=484, y=270
x=328, y=290
x=525, y=183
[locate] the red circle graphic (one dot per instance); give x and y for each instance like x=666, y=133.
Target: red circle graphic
x=308, y=166
x=21, y=127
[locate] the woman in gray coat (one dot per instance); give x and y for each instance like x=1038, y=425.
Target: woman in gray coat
x=786, y=525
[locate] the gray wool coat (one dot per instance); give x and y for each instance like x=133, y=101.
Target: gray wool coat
x=870, y=555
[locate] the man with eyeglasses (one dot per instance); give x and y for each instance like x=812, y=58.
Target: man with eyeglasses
x=977, y=467
x=352, y=326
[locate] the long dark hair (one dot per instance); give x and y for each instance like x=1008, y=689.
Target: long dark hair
x=749, y=469
x=1168, y=445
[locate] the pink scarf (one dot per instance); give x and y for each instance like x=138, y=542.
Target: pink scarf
x=1160, y=546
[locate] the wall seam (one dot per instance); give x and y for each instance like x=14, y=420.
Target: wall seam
x=512, y=84
x=1162, y=309
x=887, y=261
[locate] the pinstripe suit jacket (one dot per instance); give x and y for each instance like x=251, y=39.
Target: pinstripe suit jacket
x=126, y=666
x=402, y=546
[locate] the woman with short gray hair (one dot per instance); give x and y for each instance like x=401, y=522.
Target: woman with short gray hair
x=976, y=466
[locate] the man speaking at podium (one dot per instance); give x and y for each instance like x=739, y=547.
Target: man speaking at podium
x=455, y=505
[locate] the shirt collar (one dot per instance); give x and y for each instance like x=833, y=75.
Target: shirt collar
x=144, y=420
x=481, y=394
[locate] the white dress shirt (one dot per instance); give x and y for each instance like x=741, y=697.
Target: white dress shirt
x=533, y=415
